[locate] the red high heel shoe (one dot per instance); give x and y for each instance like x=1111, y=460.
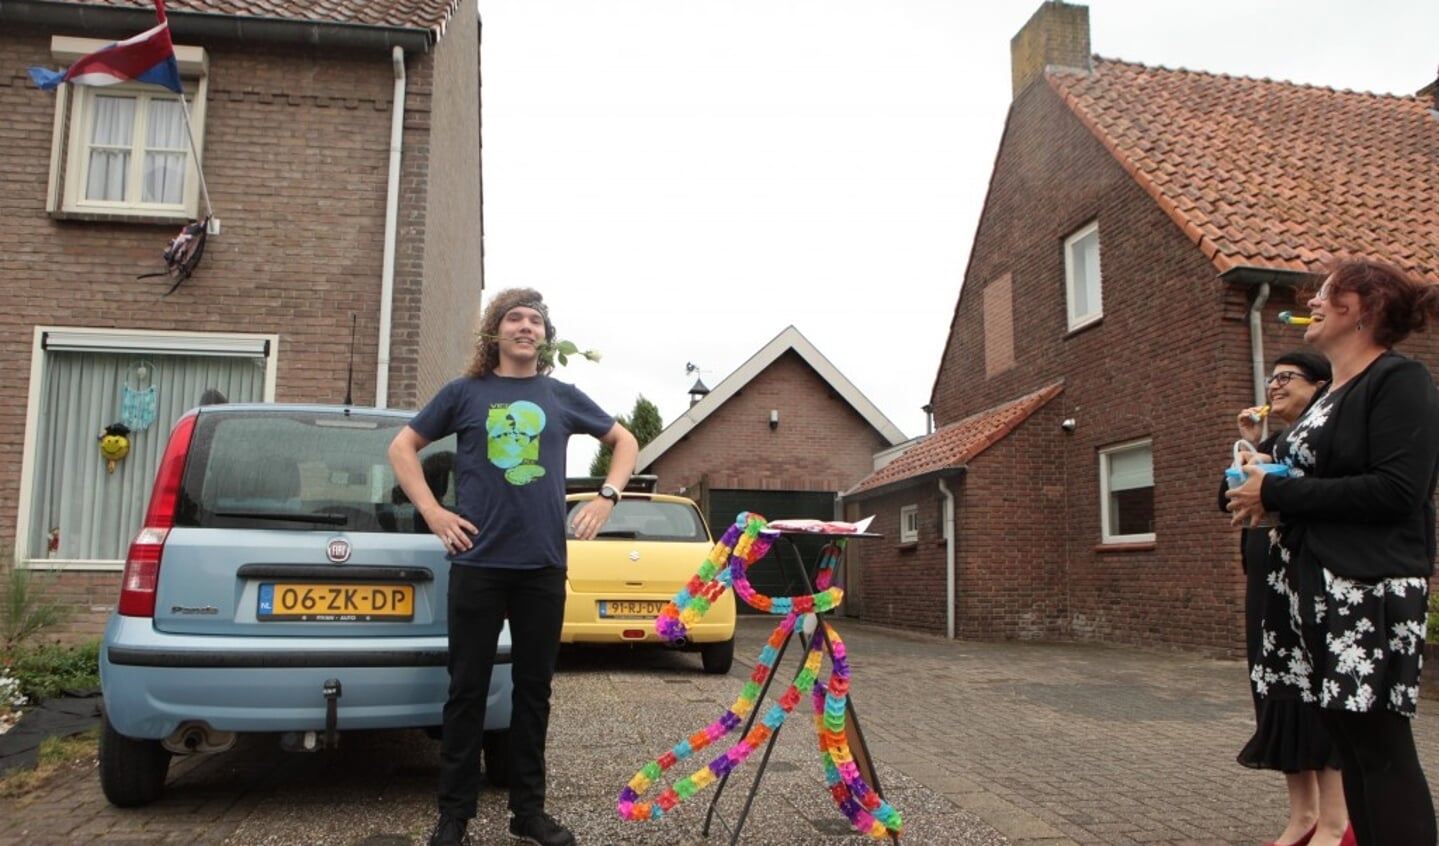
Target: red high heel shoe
x=1349, y=838
x=1309, y=835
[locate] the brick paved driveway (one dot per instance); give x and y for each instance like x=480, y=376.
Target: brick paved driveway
x=978, y=744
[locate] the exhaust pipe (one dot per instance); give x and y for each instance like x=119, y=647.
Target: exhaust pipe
x=198, y=738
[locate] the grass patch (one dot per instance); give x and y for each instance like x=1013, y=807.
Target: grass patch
x=56, y=755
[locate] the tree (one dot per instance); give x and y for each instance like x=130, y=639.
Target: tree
x=643, y=422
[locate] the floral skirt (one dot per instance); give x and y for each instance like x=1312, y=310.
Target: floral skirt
x=1342, y=644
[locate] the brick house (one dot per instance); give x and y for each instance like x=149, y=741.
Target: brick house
x=341, y=152
x=1143, y=228
x=781, y=436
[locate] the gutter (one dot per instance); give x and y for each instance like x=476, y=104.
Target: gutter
x=108, y=21
x=392, y=211
x=1262, y=278
x=1256, y=340
x=949, y=538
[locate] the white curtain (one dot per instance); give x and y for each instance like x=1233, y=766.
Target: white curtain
x=94, y=511
x=111, y=137
x=165, y=146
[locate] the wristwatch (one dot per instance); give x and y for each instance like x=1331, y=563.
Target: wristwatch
x=608, y=492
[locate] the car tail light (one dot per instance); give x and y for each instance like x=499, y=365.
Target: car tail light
x=142, y=565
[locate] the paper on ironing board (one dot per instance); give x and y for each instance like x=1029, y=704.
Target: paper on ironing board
x=828, y=527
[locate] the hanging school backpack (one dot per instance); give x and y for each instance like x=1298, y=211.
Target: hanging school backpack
x=182, y=254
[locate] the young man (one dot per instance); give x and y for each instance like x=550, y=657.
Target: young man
x=506, y=544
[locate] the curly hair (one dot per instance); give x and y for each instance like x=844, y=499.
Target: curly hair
x=1395, y=302
x=487, y=350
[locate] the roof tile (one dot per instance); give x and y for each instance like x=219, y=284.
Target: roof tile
x=403, y=14
x=952, y=446
x=1271, y=174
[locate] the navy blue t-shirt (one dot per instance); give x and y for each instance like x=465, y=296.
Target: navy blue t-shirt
x=511, y=435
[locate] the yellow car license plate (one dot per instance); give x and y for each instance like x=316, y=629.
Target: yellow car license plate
x=612, y=608
x=325, y=603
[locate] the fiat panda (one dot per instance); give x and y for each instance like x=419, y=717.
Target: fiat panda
x=281, y=583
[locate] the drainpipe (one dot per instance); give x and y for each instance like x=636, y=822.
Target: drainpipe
x=1256, y=341
x=392, y=210
x=948, y=558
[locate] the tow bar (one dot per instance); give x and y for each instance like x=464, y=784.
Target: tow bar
x=332, y=715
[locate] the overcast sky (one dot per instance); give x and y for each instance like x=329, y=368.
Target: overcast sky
x=683, y=179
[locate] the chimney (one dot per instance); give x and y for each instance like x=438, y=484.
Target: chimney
x=1432, y=92
x=1057, y=34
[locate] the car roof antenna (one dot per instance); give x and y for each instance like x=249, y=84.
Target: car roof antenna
x=350, y=368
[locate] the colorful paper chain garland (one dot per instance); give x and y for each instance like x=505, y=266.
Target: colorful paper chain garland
x=743, y=544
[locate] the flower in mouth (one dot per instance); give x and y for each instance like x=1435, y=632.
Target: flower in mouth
x=550, y=352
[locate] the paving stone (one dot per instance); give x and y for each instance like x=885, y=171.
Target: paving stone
x=1050, y=744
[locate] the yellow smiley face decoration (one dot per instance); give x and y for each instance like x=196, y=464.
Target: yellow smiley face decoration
x=114, y=444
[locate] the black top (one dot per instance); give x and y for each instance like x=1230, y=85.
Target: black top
x=1367, y=510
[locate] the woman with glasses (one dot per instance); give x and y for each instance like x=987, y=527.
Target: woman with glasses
x=1288, y=736
x=1356, y=542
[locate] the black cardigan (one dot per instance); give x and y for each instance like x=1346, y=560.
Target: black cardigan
x=1367, y=509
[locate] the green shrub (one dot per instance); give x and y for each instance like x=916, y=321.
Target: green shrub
x=49, y=670
x=1431, y=633
x=25, y=612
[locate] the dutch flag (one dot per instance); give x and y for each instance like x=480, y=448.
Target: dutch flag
x=147, y=57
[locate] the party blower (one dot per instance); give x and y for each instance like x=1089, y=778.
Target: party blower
x=1288, y=317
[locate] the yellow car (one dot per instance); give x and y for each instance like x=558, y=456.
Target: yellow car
x=619, y=582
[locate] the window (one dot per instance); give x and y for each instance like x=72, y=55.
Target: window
x=74, y=510
x=1126, y=503
x=1081, y=276
x=124, y=150
x=909, y=524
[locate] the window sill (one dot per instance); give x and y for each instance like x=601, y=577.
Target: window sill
x=906, y=546
x=1144, y=546
x=1084, y=327
x=79, y=565
x=146, y=218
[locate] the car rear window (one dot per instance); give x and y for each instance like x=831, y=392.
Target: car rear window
x=644, y=519
x=303, y=470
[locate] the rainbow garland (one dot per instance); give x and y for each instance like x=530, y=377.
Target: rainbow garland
x=743, y=544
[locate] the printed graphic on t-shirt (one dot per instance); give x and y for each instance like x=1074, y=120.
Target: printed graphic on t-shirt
x=514, y=446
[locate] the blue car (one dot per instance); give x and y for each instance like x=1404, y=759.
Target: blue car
x=281, y=583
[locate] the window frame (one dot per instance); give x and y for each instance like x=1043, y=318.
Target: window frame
x=1105, y=535
x=908, y=533
x=122, y=342
x=1075, y=320
x=70, y=140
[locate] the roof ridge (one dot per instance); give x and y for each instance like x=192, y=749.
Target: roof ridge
x=1288, y=83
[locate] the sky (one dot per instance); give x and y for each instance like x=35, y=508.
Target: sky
x=683, y=179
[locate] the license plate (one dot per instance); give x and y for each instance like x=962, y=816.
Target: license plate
x=322, y=603
x=612, y=608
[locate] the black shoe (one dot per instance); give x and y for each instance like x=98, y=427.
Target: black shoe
x=540, y=828
x=449, y=831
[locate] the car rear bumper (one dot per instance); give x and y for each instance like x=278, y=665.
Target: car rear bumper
x=583, y=623
x=154, y=682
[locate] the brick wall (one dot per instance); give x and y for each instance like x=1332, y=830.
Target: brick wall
x=821, y=444
x=296, y=159
x=453, y=272
x=1009, y=575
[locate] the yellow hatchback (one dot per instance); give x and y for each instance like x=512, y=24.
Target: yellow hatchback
x=619, y=582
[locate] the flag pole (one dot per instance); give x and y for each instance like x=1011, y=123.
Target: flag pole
x=195, y=151
x=185, y=112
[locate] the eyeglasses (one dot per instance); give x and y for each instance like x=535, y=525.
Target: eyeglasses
x=1279, y=380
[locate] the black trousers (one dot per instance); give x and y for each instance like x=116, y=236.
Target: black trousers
x=1384, y=788
x=480, y=600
